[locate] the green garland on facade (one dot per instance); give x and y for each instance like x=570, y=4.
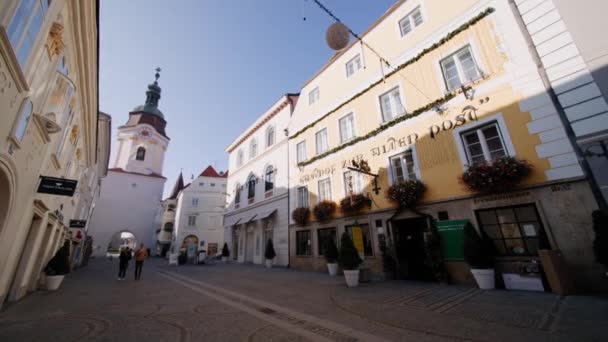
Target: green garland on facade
x=418, y=111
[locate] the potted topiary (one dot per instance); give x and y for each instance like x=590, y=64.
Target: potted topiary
x=479, y=253
x=324, y=209
x=225, y=252
x=331, y=256
x=269, y=254
x=349, y=260
x=300, y=215
x=58, y=267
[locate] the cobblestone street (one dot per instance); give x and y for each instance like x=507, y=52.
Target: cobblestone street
x=230, y=302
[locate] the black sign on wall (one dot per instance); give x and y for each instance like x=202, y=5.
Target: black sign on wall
x=78, y=223
x=57, y=186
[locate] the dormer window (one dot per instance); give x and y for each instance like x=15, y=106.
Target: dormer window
x=141, y=153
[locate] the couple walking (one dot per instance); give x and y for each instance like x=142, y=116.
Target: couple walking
x=125, y=256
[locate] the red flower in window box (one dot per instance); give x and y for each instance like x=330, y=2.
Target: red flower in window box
x=300, y=216
x=406, y=194
x=354, y=203
x=500, y=175
x=324, y=210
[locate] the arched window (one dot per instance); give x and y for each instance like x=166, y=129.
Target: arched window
x=239, y=158
x=141, y=153
x=269, y=178
x=270, y=136
x=253, y=148
x=237, y=196
x=24, y=117
x=168, y=227
x=251, y=187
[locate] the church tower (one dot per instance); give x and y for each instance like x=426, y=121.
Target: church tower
x=142, y=141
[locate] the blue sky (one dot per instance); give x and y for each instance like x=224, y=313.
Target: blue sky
x=224, y=63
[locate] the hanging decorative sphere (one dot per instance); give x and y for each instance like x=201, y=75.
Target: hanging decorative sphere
x=337, y=36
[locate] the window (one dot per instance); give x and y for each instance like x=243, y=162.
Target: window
x=270, y=136
x=24, y=117
x=301, y=151
x=313, y=96
x=195, y=202
x=460, y=68
x=251, y=187
x=323, y=237
x=303, y=242
x=201, y=184
x=321, y=141
x=269, y=178
x=353, y=65
x=25, y=26
x=324, y=189
x=484, y=143
x=237, y=196
x=367, y=238
x=239, y=158
x=353, y=183
x=411, y=21
x=403, y=167
x=141, y=153
x=302, y=197
x=212, y=184
x=391, y=105
x=191, y=221
x=514, y=230
x=253, y=148
x=347, y=127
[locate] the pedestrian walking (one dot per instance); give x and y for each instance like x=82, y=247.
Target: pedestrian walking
x=140, y=256
x=125, y=256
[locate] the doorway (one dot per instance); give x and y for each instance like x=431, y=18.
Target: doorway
x=410, y=249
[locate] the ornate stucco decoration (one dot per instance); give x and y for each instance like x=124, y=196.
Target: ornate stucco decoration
x=54, y=42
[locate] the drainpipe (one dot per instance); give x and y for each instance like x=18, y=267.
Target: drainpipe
x=601, y=202
x=291, y=108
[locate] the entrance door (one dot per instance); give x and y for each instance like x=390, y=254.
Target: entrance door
x=409, y=245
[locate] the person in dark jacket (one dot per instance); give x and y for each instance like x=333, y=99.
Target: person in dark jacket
x=125, y=256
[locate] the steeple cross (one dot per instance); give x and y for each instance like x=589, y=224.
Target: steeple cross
x=157, y=75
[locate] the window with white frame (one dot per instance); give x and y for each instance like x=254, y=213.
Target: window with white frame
x=484, y=143
x=353, y=65
x=25, y=113
x=191, y=221
x=347, y=127
x=313, y=96
x=353, y=183
x=251, y=187
x=195, y=202
x=269, y=178
x=270, y=136
x=302, y=197
x=391, y=105
x=460, y=68
x=321, y=141
x=301, y=151
x=253, y=148
x=403, y=167
x=324, y=189
x=237, y=196
x=240, y=156
x=411, y=21
x=25, y=26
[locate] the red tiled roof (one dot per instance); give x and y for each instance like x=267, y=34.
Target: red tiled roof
x=210, y=172
x=155, y=175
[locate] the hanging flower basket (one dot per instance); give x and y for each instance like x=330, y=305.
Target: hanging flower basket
x=355, y=203
x=500, y=175
x=406, y=194
x=300, y=216
x=324, y=210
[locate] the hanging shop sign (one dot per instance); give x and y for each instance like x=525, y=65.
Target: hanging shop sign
x=78, y=223
x=57, y=186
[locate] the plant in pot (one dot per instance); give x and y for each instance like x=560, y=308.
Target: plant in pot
x=331, y=256
x=225, y=252
x=600, y=243
x=349, y=260
x=354, y=203
x=58, y=267
x=269, y=254
x=323, y=210
x=479, y=253
x=300, y=215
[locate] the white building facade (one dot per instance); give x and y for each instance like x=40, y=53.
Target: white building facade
x=199, y=214
x=257, y=200
x=132, y=191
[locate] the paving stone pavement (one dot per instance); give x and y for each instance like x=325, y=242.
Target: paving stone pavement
x=232, y=302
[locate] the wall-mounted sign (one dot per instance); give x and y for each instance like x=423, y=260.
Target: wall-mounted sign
x=78, y=223
x=57, y=186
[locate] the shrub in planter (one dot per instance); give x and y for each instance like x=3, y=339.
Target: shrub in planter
x=348, y=256
x=331, y=256
x=502, y=174
x=406, y=194
x=600, y=244
x=479, y=253
x=60, y=263
x=269, y=253
x=225, y=252
x=300, y=216
x=324, y=210
x=354, y=203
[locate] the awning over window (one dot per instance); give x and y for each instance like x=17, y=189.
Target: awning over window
x=266, y=214
x=251, y=219
x=232, y=221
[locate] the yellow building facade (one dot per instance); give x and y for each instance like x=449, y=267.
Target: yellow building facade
x=452, y=84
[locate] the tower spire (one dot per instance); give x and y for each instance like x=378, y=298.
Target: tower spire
x=153, y=93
